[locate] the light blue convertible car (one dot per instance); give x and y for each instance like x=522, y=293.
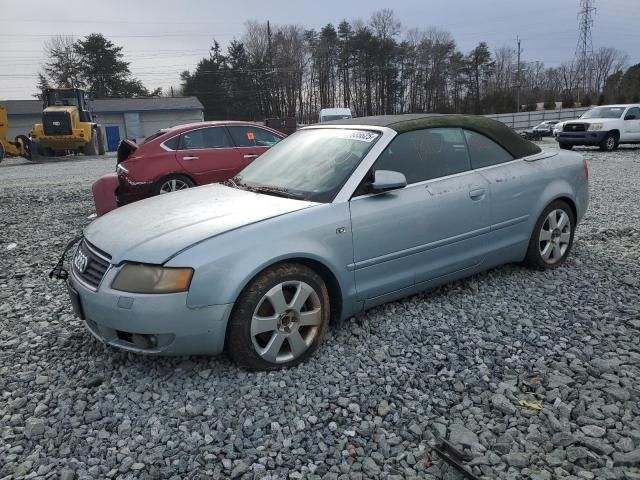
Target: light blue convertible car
x=333, y=220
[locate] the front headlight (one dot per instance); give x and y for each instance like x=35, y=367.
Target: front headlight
x=141, y=278
x=595, y=126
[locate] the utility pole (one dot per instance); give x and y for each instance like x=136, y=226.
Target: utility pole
x=272, y=99
x=518, y=77
x=584, y=48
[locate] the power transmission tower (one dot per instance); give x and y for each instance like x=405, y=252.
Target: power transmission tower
x=518, y=77
x=584, y=49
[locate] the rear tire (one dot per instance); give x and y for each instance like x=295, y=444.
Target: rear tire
x=552, y=237
x=172, y=183
x=610, y=143
x=101, y=145
x=565, y=146
x=91, y=149
x=279, y=319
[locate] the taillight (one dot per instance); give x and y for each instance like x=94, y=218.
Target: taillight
x=585, y=165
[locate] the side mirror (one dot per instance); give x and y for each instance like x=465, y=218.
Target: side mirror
x=387, y=180
x=631, y=116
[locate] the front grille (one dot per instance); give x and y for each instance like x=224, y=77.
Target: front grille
x=90, y=264
x=56, y=123
x=575, y=127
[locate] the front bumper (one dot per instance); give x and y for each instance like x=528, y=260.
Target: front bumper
x=581, y=138
x=164, y=321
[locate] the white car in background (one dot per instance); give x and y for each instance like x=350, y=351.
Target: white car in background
x=329, y=114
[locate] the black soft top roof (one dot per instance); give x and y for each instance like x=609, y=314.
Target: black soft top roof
x=497, y=131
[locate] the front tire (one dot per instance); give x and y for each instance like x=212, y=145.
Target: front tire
x=610, y=143
x=279, y=319
x=552, y=237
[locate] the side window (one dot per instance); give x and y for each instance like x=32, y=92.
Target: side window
x=485, y=152
x=244, y=136
x=635, y=111
x=215, y=137
x=426, y=154
x=173, y=143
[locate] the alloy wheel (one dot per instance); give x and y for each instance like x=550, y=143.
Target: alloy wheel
x=286, y=321
x=173, y=185
x=555, y=236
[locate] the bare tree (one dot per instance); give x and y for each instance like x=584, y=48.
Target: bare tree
x=63, y=66
x=606, y=61
x=385, y=24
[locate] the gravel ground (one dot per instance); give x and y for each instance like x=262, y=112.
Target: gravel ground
x=452, y=362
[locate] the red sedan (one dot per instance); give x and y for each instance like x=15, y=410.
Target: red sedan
x=182, y=157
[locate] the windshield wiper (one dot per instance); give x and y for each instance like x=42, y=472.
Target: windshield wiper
x=235, y=182
x=276, y=191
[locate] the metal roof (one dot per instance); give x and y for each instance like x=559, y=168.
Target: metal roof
x=497, y=131
x=112, y=105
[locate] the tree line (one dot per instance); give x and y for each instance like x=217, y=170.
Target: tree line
x=373, y=67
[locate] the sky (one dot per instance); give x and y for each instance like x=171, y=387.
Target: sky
x=161, y=38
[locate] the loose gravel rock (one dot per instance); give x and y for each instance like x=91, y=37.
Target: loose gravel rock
x=447, y=363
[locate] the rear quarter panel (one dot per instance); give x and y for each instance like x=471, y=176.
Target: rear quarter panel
x=151, y=163
x=564, y=176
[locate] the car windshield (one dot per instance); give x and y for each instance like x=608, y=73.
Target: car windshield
x=62, y=98
x=604, y=112
x=310, y=164
x=542, y=125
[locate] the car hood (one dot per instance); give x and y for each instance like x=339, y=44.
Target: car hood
x=155, y=229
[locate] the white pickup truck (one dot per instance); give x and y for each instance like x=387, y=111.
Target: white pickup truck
x=606, y=126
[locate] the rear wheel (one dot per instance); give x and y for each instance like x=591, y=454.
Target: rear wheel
x=610, y=142
x=279, y=319
x=566, y=146
x=552, y=237
x=101, y=145
x=91, y=149
x=173, y=183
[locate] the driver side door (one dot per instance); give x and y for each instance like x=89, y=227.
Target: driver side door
x=427, y=230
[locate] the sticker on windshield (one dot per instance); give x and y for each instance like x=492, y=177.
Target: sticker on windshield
x=361, y=135
x=251, y=136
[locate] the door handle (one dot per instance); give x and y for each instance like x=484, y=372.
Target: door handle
x=477, y=194
x=250, y=155
x=190, y=158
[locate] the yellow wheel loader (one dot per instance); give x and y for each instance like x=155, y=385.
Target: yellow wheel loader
x=20, y=147
x=67, y=126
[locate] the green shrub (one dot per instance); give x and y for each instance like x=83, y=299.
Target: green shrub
x=585, y=101
x=549, y=105
x=601, y=99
